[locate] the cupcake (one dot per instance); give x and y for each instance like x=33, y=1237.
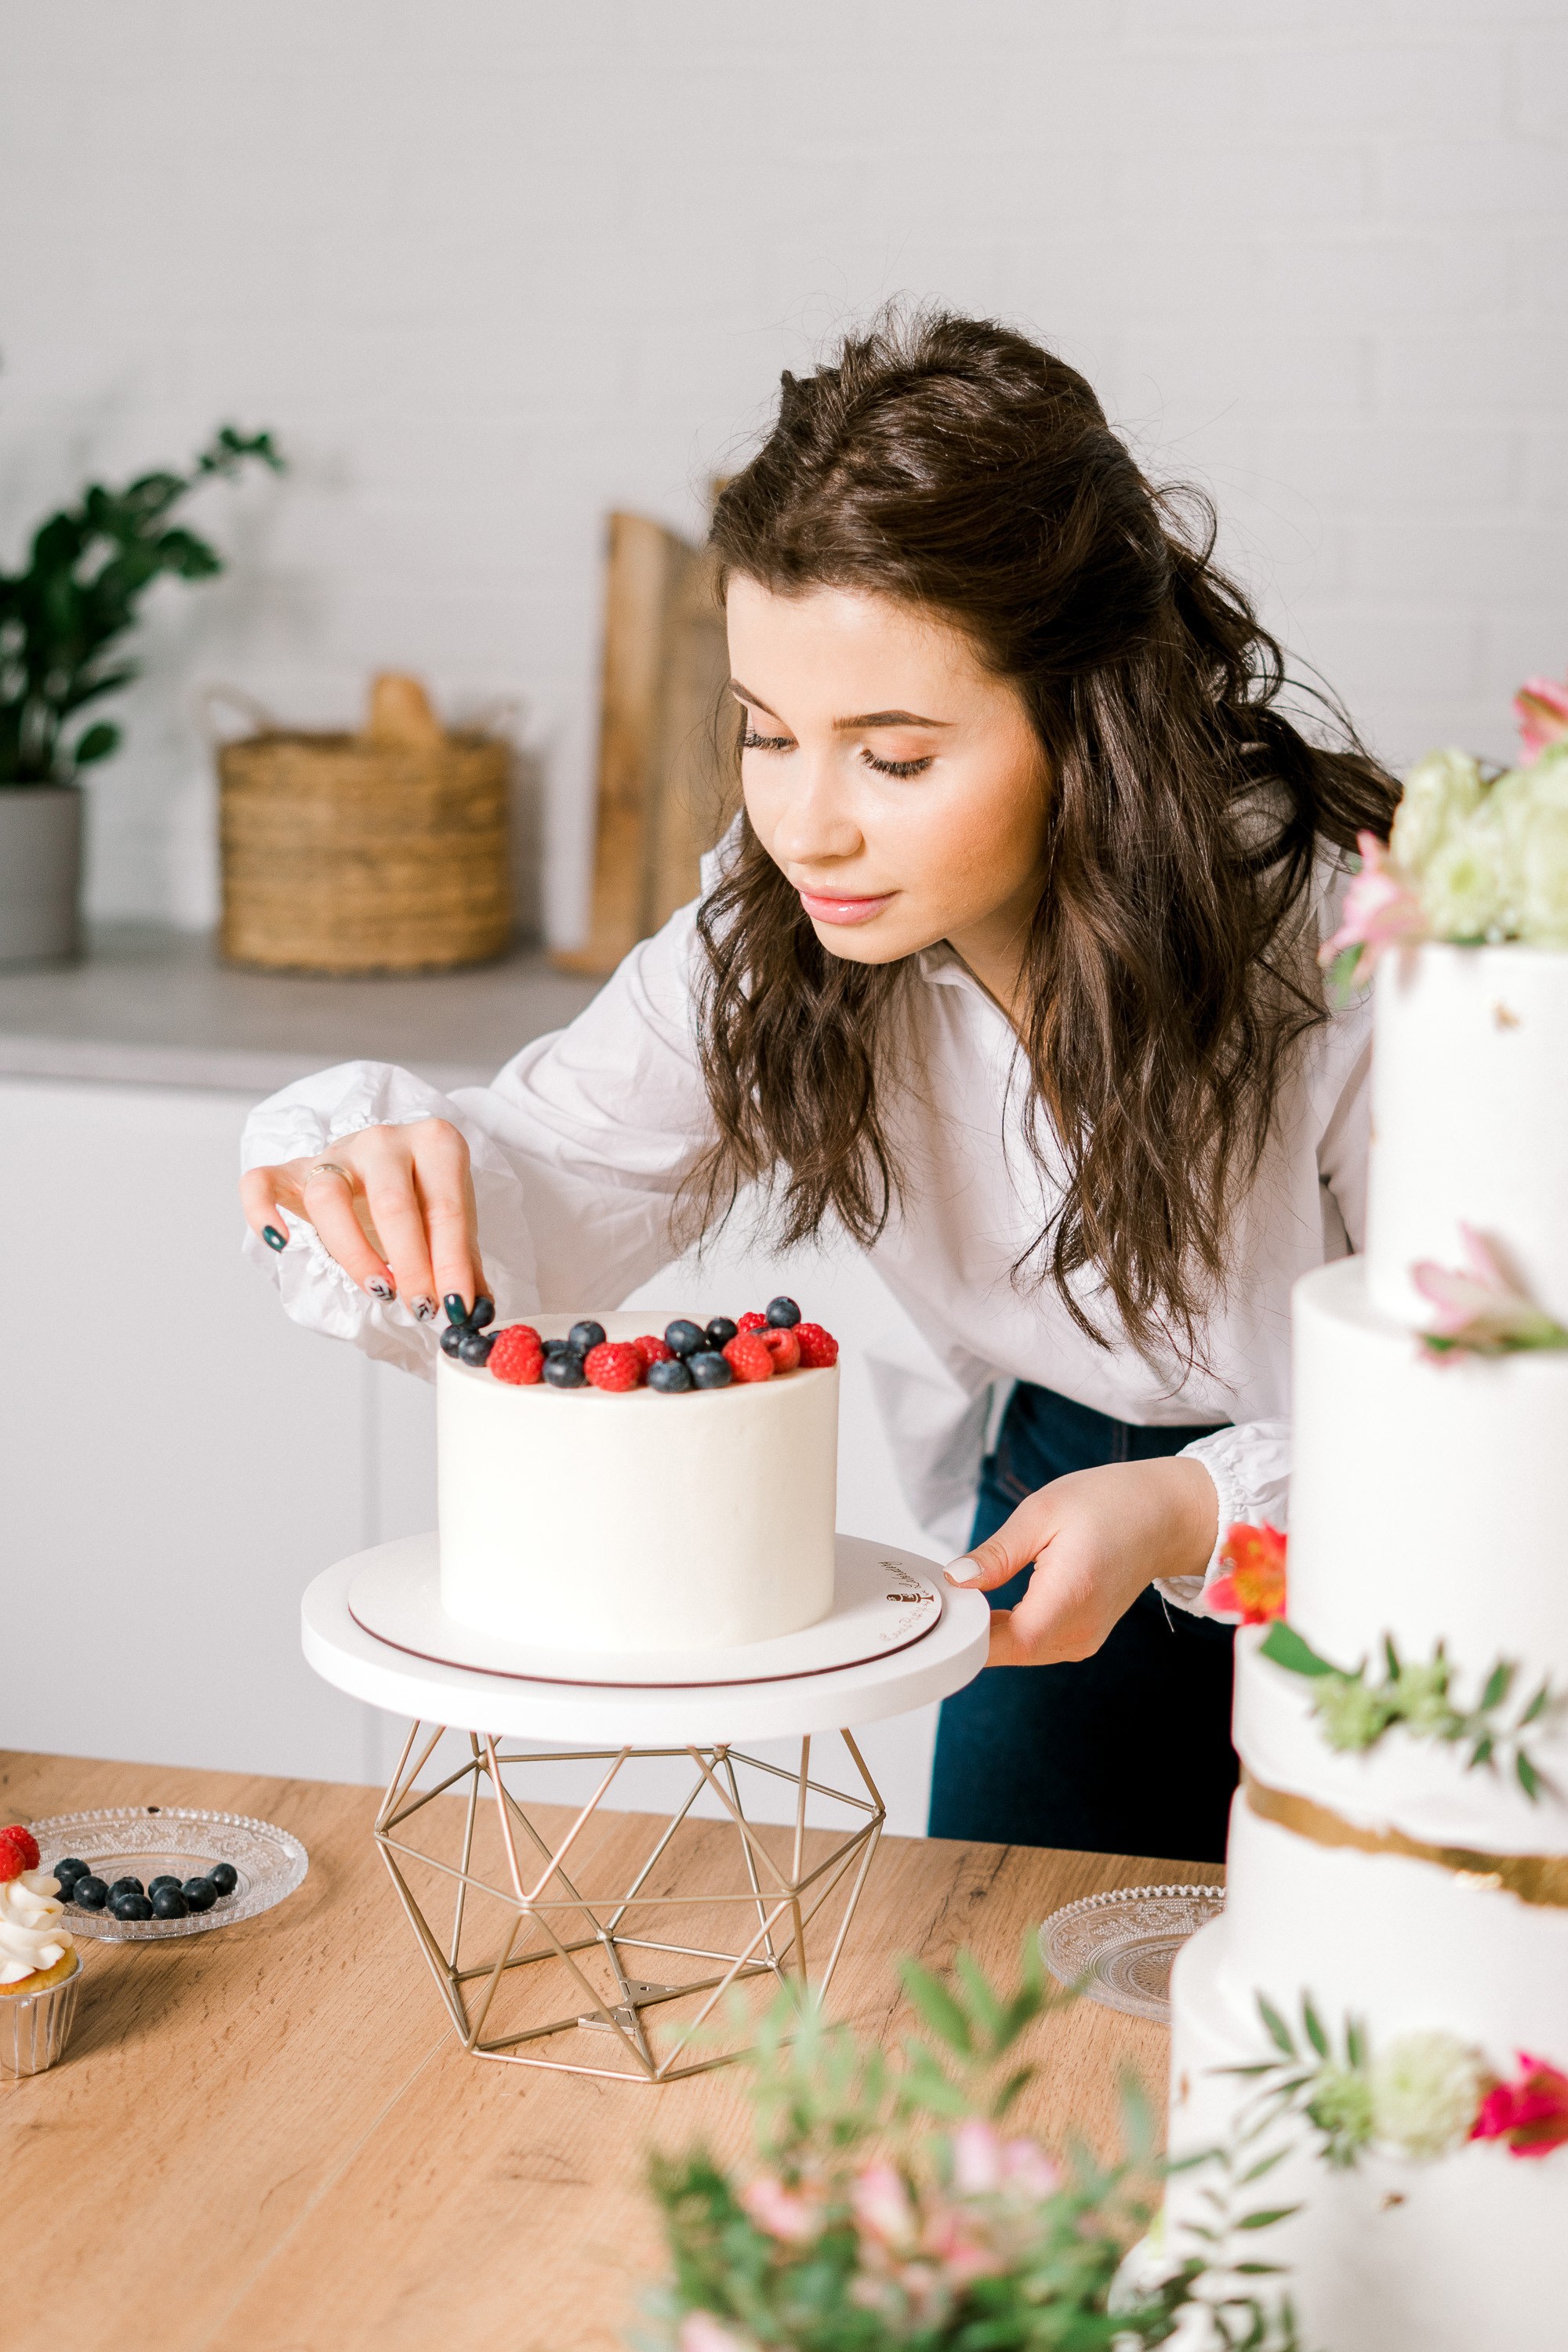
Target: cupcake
x=39, y=1963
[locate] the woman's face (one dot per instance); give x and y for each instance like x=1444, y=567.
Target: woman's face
x=897, y=783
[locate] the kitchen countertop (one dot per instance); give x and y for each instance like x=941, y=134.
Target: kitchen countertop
x=153, y=1007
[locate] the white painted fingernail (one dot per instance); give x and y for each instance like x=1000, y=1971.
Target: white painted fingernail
x=962, y=1572
x=379, y=1288
x=424, y=1310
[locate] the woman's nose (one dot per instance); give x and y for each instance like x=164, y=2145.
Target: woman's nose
x=816, y=822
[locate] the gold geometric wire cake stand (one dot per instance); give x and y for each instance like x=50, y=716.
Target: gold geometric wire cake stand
x=633, y=1945
x=619, y=1961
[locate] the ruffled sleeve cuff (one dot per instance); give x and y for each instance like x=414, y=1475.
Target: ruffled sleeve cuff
x=1250, y=1466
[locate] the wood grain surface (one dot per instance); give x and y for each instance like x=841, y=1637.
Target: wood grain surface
x=265, y=2139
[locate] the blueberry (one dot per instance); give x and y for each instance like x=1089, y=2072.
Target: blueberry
x=474, y=1348
x=555, y=1347
x=200, y=1894
x=784, y=1313
x=672, y=1377
x=132, y=1906
x=452, y=1338
x=89, y=1891
x=126, y=1886
x=565, y=1372
x=224, y=1877
x=483, y=1311
x=708, y=1369
x=584, y=1336
x=68, y=1871
x=166, y=1879
x=720, y=1332
x=169, y=1903
x=684, y=1338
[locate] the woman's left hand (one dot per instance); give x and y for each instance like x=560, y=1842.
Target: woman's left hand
x=1095, y=1538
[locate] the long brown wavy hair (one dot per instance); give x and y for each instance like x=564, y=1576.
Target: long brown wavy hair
x=959, y=467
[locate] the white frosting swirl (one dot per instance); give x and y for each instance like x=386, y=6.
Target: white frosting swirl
x=30, y=1939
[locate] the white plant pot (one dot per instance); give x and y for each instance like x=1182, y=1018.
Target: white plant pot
x=40, y=873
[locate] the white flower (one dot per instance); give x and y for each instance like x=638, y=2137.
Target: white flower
x=1543, y=895
x=1440, y=791
x=1426, y=2090
x=1465, y=888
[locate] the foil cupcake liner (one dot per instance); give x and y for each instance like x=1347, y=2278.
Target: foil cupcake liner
x=36, y=2026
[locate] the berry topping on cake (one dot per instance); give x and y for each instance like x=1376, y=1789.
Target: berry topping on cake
x=752, y=1322
x=782, y=1345
x=683, y=1337
x=474, y=1348
x=653, y=1351
x=818, y=1348
x=614, y=1364
x=720, y=1332
x=708, y=1369
x=517, y=1356
x=784, y=1313
x=565, y=1370
x=18, y=1851
x=669, y=1375
x=749, y=1357
x=584, y=1336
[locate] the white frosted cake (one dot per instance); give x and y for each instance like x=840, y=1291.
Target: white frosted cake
x=584, y=1519
x=1394, y=1880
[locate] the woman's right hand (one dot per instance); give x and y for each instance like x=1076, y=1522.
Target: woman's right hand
x=395, y=1205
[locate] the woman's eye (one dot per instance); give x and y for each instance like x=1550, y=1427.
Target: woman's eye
x=899, y=767
x=751, y=742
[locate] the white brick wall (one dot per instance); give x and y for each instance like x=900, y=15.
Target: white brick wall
x=492, y=266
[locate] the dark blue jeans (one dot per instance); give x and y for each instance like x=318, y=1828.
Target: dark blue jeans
x=1126, y=1752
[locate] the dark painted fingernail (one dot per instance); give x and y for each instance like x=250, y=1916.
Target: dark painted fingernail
x=456, y=1309
x=273, y=1238
x=423, y=1309
x=380, y=1289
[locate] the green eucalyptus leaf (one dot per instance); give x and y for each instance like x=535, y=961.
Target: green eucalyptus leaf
x=1497, y=1689
x=1279, y=2032
x=1286, y=1647
x=1528, y=1776
x=96, y=743
x=1313, y=2027
x=1537, y=1706
x=937, y=2009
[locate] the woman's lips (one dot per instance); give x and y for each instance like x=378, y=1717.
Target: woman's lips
x=833, y=907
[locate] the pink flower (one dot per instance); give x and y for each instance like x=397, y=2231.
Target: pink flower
x=1381, y=909
x=957, y=2242
x=701, y=2332
x=1254, y=1587
x=1480, y=1306
x=881, y=2206
x=1028, y=2167
x=1530, y=2113
x=976, y=2158
x=792, y=2214
x=1542, y=707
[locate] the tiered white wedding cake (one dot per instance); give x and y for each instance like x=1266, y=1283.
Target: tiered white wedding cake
x=1399, y=1847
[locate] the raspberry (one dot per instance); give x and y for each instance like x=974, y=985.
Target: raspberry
x=782, y=1345
x=614, y=1364
x=653, y=1351
x=752, y=1322
x=749, y=1357
x=517, y=1356
x=18, y=1851
x=818, y=1348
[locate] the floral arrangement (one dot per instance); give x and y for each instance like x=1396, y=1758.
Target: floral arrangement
x=891, y=2206
x=1473, y=858
x=1421, y=2097
x=1354, y=1712
x=1481, y=1310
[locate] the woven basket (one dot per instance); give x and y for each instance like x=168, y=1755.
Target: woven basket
x=344, y=856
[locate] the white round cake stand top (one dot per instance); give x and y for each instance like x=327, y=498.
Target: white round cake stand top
x=623, y=1715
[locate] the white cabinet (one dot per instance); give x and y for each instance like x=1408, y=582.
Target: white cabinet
x=177, y=1459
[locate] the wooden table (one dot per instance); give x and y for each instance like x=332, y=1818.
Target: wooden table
x=265, y=2140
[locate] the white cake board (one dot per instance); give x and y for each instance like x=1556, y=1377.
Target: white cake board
x=641, y=1968
x=817, y=1698
x=883, y=1601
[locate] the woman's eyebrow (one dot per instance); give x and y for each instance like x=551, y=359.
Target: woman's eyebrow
x=862, y=719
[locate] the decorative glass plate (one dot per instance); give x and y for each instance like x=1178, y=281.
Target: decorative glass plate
x=146, y=1841
x=1118, y=1947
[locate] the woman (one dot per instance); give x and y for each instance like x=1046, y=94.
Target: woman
x=1009, y=970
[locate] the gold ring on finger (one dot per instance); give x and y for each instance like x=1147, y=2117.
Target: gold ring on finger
x=331, y=1167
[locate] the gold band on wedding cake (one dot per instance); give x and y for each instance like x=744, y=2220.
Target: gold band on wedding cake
x=1540, y=1878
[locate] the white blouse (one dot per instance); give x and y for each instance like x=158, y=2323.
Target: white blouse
x=582, y=1142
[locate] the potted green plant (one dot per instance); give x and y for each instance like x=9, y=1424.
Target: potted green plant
x=63, y=620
